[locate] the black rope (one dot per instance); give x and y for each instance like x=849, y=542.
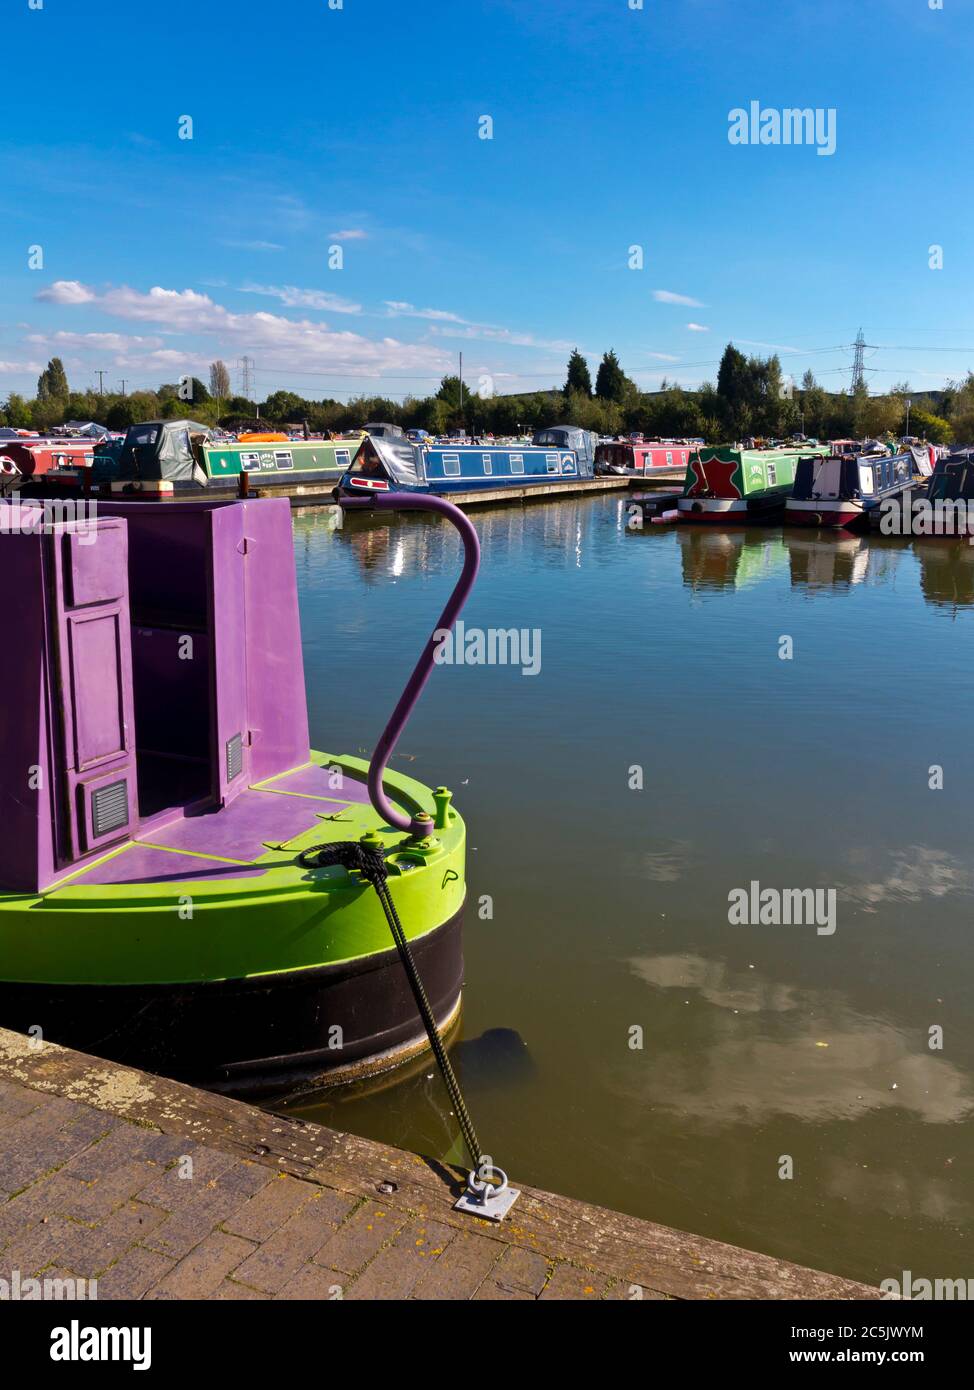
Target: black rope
x=351, y=854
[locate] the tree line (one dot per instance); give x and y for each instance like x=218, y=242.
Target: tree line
x=752, y=396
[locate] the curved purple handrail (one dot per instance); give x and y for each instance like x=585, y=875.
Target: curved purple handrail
x=417, y=502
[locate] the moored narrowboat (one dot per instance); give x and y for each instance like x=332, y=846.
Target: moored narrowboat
x=626, y=456
x=843, y=489
x=561, y=453
x=189, y=456
x=176, y=890
x=727, y=486
x=23, y=460
x=953, y=478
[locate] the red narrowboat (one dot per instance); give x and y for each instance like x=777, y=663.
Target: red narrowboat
x=21, y=459
x=624, y=456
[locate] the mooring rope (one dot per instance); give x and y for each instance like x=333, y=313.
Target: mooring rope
x=352, y=854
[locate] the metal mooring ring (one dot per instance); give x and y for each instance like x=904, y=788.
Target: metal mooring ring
x=487, y=1191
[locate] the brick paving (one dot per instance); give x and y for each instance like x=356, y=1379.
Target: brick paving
x=148, y=1215
x=259, y=1207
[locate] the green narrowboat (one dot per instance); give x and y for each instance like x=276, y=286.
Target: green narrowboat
x=725, y=485
x=277, y=460
x=186, y=455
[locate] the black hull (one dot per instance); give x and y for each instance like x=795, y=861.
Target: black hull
x=255, y=1035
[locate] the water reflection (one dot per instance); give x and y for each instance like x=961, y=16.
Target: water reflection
x=733, y=559
x=915, y=872
x=772, y=1049
x=946, y=572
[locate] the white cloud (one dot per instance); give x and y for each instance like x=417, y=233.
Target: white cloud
x=294, y=298
x=67, y=292
x=18, y=367
x=504, y=335
x=398, y=308
x=668, y=297
x=463, y=328
x=108, y=342
x=349, y=234
x=254, y=245
x=773, y=347
x=283, y=344
x=698, y=328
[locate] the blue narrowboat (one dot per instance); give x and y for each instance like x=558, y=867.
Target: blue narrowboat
x=559, y=453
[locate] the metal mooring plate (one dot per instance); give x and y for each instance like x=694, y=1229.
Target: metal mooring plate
x=490, y=1201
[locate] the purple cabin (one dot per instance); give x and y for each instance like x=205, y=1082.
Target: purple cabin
x=157, y=672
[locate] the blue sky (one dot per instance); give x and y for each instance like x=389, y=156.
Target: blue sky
x=358, y=127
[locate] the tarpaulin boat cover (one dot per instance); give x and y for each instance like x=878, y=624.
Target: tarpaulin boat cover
x=923, y=458
x=86, y=431
x=570, y=437
x=402, y=461
x=160, y=449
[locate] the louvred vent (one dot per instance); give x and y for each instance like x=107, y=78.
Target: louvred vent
x=109, y=808
x=234, y=757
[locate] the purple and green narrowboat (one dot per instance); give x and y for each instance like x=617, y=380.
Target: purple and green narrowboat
x=561, y=453
x=163, y=896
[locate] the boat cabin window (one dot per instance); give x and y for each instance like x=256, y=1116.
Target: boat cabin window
x=488, y=466
x=283, y=458
x=772, y=472
x=517, y=463
x=866, y=479
x=451, y=465
x=342, y=458
x=551, y=463
x=368, y=463
x=669, y=457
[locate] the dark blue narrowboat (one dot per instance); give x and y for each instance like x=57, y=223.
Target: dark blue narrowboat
x=560, y=453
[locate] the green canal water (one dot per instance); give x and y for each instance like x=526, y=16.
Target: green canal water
x=610, y=904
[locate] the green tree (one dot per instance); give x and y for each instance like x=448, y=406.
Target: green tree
x=933, y=428
x=122, y=414
x=53, y=381
x=284, y=407
x=611, y=382
x=578, y=379
x=962, y=411
x=813, y=403
x=734, y=388
x=18, y=412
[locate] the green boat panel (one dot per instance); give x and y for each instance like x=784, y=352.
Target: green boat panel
x=181, y=916
x=746, y=473
x=279, y=457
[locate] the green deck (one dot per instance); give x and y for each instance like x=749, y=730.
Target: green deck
x=272, y=915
